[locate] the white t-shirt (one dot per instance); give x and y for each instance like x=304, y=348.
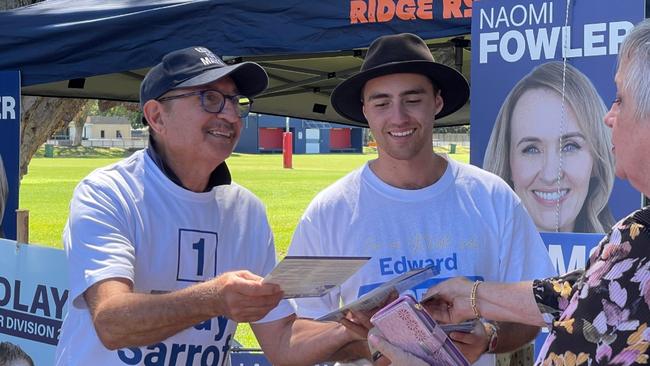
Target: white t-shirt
x=130, y=221
x=469, y=223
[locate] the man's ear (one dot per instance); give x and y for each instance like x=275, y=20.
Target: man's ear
x=153, y=111
x=439, y=102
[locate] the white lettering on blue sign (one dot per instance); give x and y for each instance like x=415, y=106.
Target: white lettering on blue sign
x=577, y=259
x=29, y=327
x=7, y=107
x=515, y=33
x=517, y=16
x=598, y=39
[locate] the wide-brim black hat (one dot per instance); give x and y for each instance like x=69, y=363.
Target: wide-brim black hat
x=393, y=54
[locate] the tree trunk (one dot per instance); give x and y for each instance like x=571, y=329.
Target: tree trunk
x=78, y=131
x=41, y=117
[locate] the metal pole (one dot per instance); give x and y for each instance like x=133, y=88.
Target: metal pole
x=287, y=146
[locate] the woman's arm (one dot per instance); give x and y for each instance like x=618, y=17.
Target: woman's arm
x=451, y=302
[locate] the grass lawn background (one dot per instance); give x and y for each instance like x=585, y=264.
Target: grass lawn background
x=47, y=188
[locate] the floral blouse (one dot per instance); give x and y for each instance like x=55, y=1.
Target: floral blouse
x=601, y=315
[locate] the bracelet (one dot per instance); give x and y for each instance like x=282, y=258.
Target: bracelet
x=472, y=299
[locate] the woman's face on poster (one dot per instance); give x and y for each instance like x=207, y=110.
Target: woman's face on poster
x=537, y=160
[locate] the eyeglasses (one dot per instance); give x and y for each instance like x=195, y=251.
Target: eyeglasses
x=214, y=101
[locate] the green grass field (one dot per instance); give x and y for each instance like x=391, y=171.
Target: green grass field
x=47, y=188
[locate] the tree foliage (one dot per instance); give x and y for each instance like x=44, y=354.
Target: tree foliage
x=11, y=4
x=42, y=116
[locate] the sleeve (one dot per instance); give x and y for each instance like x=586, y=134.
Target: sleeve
x=285, y=307
x=523, y=253
x=306, y=241
x=96, y=240
x=553, y=294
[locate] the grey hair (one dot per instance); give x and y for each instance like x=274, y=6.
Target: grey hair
x=588, y=106
x=634, y=62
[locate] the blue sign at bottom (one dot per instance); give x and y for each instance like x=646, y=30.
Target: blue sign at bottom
x=254, y=358
x=568, y=252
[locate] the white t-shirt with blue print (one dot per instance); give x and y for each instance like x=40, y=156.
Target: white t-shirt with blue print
x=129, y=220
x=469, y=223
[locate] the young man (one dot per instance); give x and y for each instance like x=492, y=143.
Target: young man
x=411, y=207
x=165, y=252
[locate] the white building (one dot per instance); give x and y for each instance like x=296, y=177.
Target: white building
x=104, y=128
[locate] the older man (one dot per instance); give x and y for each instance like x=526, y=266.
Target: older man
x=599, y=315
x=165, y=252
x=410, y=206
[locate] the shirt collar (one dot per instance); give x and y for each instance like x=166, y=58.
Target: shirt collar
x=219, y=176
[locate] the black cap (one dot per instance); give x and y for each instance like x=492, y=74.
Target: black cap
x=195, y=66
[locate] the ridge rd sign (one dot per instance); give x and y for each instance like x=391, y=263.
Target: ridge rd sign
x=379, y=11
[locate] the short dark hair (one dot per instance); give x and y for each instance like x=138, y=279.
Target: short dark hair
x=10, y=352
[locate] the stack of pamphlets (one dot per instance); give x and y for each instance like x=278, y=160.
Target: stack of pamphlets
x=380, y=295
x=313, y=276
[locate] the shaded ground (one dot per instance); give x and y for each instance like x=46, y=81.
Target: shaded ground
x=85, y=152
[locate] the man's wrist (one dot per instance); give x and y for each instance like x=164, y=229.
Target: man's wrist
x=492, y=331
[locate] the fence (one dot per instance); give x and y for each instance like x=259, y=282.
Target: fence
x=138, y=143
x=445, y=139
x=59, y=142
x=123, y=143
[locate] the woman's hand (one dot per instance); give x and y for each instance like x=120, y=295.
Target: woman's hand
x=449, y=301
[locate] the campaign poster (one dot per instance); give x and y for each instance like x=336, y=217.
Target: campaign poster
x=9, y=151
x=542, y=80
x=568, y=252
x=33, y=295
x=537, y=121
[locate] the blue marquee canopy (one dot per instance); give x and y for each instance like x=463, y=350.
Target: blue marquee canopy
x=102, y=49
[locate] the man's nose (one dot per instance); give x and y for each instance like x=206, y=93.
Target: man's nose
x=230, y=110
x=399, y=112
